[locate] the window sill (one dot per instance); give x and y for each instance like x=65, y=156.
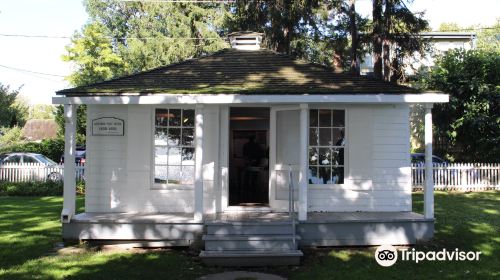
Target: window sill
x=325, y=186
x=161, y=187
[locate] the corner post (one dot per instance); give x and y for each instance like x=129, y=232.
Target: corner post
x=198, y=176
x=69, y=190
x=304, y=108
x=429, y=181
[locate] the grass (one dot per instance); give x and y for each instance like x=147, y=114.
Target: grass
x=30, y=228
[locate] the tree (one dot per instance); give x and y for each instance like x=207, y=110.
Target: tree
x=395, y=36
x=41, y=111
x=150, y=35
x=449, y=26
x=282, y=21
x=91, y=52
x=469, y=125
x=354, y=67
x=13, y=111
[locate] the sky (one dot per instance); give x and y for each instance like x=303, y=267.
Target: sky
x=64, y=17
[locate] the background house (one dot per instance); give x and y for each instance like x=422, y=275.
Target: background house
x=440, y=42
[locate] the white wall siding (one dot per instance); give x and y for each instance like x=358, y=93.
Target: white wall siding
x=391, y=156
x=119, y=169
x=106, y=170
x=377, y=160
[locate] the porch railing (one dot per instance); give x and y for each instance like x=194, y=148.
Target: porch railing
x=29, y=172
x=458, y=176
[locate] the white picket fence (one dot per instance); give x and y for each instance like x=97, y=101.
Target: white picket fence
x=456, y=176
x=27, y=172
x=459, y=176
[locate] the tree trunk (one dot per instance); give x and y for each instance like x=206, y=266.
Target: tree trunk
x=387, y=60
x=354, y=38
x=377, y=38
x=386, y=40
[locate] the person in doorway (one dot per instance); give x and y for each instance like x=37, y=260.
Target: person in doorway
x=252, y=152
x=253, y=155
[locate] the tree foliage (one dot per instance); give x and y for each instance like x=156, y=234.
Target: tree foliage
x=150, y=35
x=92, y=54
x=13, y=111
x=395, y=27
x=469, y=124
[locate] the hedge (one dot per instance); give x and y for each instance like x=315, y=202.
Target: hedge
x=31, y=189
x=51, y=148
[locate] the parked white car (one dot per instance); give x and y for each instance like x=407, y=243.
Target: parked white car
x=35, y=159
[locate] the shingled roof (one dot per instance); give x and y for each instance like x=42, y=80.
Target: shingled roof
x=232, y=71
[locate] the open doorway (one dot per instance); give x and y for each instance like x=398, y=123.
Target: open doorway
x=249, y=156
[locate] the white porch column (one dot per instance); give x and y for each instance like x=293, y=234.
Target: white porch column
x=198, y=175
x=303, y=162
x=429, y=181
x=69, y=191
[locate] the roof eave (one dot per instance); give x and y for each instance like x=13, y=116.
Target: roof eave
x=378, y=98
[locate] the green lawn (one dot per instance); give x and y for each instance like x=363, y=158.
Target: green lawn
x=30, y=228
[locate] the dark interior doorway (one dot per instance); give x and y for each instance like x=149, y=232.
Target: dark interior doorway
x=249, y=156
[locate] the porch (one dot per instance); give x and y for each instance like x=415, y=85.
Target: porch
x=320, y=229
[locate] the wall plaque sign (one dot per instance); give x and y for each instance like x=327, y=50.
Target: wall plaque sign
x=107, y=127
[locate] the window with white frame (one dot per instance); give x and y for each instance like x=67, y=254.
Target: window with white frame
x=174, y=147
x=326, y=146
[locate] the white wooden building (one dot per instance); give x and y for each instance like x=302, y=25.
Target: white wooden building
x=207, y=148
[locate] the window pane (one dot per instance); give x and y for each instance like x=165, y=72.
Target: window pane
x=338, y=156
x=175, y=117
x=174, y=175
x=161, y=136
x=313, y=136
x=174, y=156
x=313, y=118
x=338, y=118
x=325, y=118
x=313, y=175
x=338, y=175
x=324, y=175
x=325, y=136
x=188, y=136
x=161, y=117
x=174, y=135
x=28, y=159
x=313, y=156
x=188, y=156
x=187, y=117
x=325, y=156
x=338, y=136
x=161, y=174
x=161, y=156
x=187, y=175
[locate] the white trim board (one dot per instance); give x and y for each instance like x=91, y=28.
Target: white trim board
x=254, y=99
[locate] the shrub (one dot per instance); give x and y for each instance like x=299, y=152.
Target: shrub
x=468, y=127
x=31, y=188
x=10, y=135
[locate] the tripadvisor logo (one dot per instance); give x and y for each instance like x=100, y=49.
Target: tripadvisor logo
x=387, y=255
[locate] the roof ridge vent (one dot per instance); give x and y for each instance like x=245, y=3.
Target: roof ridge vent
x=245, y=40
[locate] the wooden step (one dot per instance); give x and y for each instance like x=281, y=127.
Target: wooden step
x=250, y=242
x=248, y=228
x=251, y=258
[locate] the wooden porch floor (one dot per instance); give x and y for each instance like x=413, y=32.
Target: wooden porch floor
x=313, y=217
x=320, y=229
